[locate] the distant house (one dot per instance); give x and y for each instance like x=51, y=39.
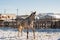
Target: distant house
x=48, y=21
x=7, y=17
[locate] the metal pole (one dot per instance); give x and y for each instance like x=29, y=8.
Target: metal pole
x=0, y=11
x=6, y=18
x=4, y=11
x=17, y=11
x=17, y=16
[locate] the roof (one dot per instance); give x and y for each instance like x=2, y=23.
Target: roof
x=56, y=16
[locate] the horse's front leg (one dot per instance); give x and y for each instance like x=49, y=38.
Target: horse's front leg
x=27, y=33
x=18, y=33
x=33, y=29
x=34, y=33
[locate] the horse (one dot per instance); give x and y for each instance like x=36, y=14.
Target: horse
x=27, y=24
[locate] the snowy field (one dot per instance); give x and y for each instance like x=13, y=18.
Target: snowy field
x=42, y=34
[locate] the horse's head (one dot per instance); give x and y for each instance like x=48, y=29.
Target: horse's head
x=32, y=16
x=33, y=13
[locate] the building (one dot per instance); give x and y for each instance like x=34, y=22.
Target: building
x=48, y=21
x=7, y=17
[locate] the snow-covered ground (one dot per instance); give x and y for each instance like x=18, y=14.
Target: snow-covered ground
x=42, y=34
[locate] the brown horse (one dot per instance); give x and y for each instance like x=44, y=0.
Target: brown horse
x=27, y=24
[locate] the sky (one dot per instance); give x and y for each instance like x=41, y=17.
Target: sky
x=28, y=6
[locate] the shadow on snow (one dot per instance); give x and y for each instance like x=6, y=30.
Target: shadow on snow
x=37, y=30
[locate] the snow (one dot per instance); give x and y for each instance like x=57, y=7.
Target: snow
x=41, y=34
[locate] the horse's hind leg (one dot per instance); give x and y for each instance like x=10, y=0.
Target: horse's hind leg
x=20, y=31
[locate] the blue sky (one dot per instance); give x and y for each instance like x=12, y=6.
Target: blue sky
x=27, y=6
